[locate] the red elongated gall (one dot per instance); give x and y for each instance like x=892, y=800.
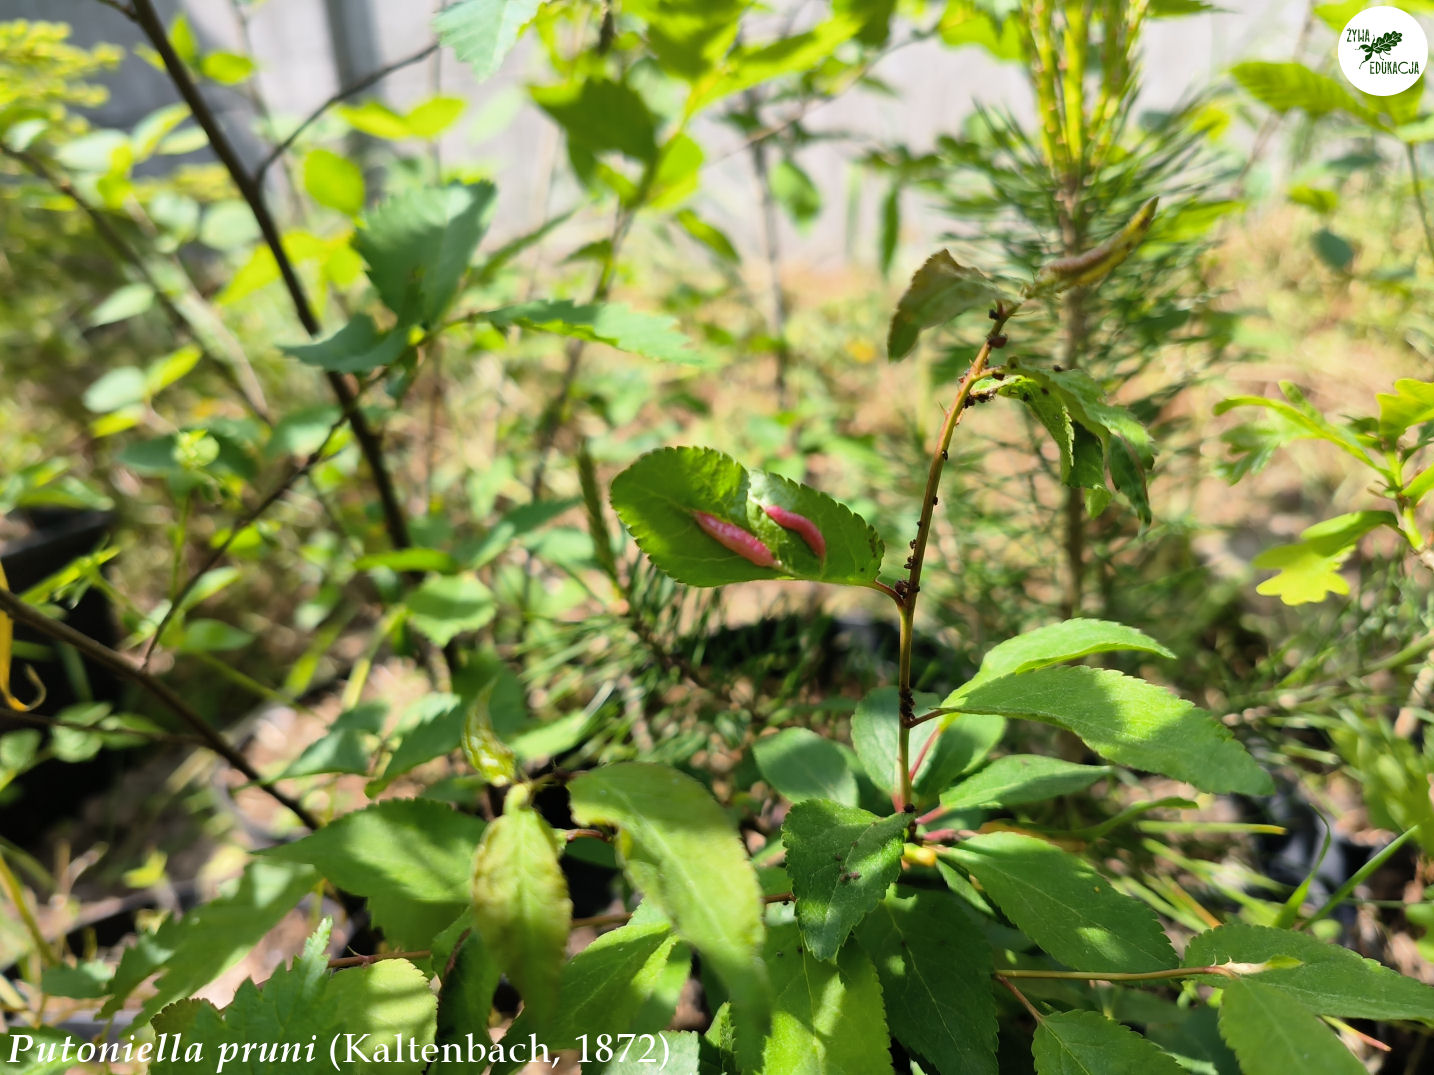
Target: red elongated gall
x=731, y=536
x=800, y=525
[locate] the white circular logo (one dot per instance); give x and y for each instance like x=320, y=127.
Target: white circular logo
x=1383, y=51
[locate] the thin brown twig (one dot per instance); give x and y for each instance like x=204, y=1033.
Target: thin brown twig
x=251, y=394
x=816, y=103
x=357, y=86
x=249, y=519
x=42, y=721
x=363, y=961
x=23, y=613
x=395, y=520
x=910, y=587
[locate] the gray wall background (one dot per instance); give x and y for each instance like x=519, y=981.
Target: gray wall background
x=308, y=48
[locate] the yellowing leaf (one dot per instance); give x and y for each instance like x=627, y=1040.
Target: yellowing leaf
x=334, y=181
x=1411, y=404
x=1308, y=570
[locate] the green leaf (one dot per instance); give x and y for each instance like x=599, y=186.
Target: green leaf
x=376, y=119
x=1063, y=905
x=941, y=290
x=709, y=235
x=1128, y=477
x=751, y=65
x=182, y=40
x=486, y=752
x=680, y=849
x=956, y=747
x=358, y=347
x=601, y=116
x=967, y=24
x=194, y=950
x=890, y=234
x=209, y=636
x=656, y=498
x=1056, y=643
x=1418, y=132
x=795, y=193
x=122, y=304
x=946, y=751
x=413, y=558
x=1273, y=1034
x=481, y=32
x=1321, y=199
x=291, y=1008
x=1301, y=419
x=935, y=972
x=1308, y=570
x=418, y=245
x=1333, y=249
x=826, y=1019
x=649, y=335
x=520, y=903
x=800, y=764
x=226, y=68
x=841, y=861
x=603, y=988
x=1411, y=404
x=674, y=1052
x=85, y=981
x=445, y=606
x=679, y=163
x=1284, y=86
x=411, y=859
x=438, y=719
x=390, y=1001
x=875, y=16
x=1127, y=720
x=1087, y=1043
x=1021, y=778
x=1326, y=980
x=344, y=747
x=428, y=119
x=121, y=387
x=466, y=1001
x=334, y=181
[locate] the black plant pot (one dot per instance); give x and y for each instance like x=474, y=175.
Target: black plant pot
x=51, y=790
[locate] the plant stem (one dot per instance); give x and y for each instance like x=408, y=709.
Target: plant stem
x=148, y=18
x=236, y=371
x=908, y=588
x=771, y=225
x=349, y=90
x=1224, y=970
x=1342, y=893
x=1414, y=178
x=23, y=613
x=11, y=884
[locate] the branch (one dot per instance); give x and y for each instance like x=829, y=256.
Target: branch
x=22, y=613
x=148, y=18
x=252, y=394
x=1225, y=970
x=248, y=520
x=907, y=588
x=41, y=720
x=344, y=92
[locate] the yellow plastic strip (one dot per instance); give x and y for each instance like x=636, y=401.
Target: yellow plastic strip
x=7, y=641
